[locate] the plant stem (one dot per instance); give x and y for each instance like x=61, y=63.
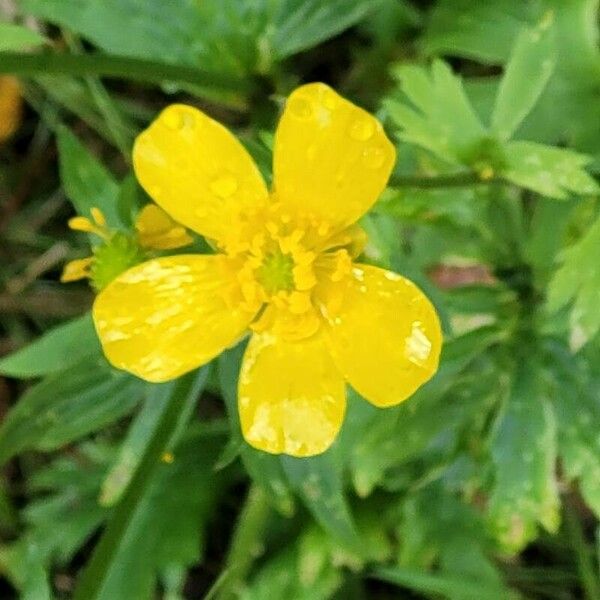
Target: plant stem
x=246, y=543
x=440, y=181
x=94, y=574
x=106, y=65
x=587, y=572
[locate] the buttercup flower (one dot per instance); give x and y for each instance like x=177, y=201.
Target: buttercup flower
x=118, y=251
x=283, y=270
x=11, y=106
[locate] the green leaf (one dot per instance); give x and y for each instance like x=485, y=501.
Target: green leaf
x=577, y=407
x=447, y=586
x=550, y=171
x=115, y=560
x=166, y=529
x=86, y=181
x=67, y=491
x=140, y=434
x=57, y=349
x=406, y=430
x=523, y=449
x=16, y=37
x=319, y=482
x=66, y=406
x=302, y=24
x=23, y=565
x=309, y=568
x=531, y=64
x=438, y=116
x=439, y=530
x=481, y=31
x=578, y=280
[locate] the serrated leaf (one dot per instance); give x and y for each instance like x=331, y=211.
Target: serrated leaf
x=402, y=432
x=167, y=525
x=86, y=181
x=17, y=37
x=578, y=280
x=553, y=172
x=59, y=348
x=66, y=406
x=439, y=530
x=577, y=409
x=303, y=570
x=530, y=66
x=69, y=486
x=523, y=449
x=109, y=567
x=440, y=117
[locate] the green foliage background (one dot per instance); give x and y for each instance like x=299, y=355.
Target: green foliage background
x=484, y=485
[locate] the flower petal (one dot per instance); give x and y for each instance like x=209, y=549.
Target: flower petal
x=156, y=230
x=331, y=158
x=11, y=106
x=385, y=337
x=196, y=170
x=167, y=316
x=291, y=396
x=76, y=269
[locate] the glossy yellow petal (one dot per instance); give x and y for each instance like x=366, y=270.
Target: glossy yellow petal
x=385, y=337
x=158, y=231
x=11, y=106
x=196, y=170
x=167, y=316
x=76, y=269
x=291, y=395
x=331, y=158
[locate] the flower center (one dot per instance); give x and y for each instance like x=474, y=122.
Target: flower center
x=282, y=262
x=276, y=273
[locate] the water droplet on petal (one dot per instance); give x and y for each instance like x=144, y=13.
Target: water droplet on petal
x=362, y=129
x=177, y=119
x=301, y=108
x=224, y=186
x=373, y=157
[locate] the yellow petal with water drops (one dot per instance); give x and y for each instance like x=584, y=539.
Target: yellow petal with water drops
x=158, y=231
x=291, y=395
x=385, y=337
x=331, y=158
x=11, y=106
x=76, y=269
x=196, y=170
x=168, y=316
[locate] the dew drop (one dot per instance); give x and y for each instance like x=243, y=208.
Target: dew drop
x=177, y=120
x=301, y=108
x=224, y=186
x=361, y=130
x=373, y=157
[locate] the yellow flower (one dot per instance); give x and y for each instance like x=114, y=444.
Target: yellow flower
x=11, y=106
x=119, y=251
x=283, y=270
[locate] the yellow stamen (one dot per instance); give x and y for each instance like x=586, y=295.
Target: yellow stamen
x=76, y=269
